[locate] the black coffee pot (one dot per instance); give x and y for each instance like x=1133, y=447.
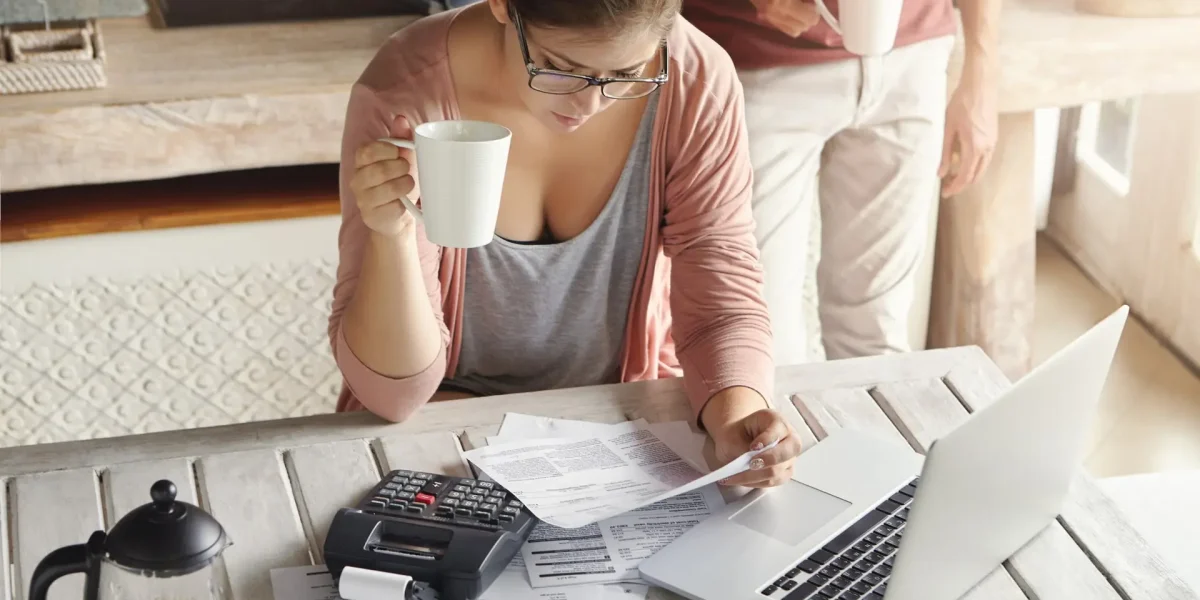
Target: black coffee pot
x=165, y=549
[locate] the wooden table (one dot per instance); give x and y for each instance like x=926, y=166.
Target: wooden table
x=275, y=485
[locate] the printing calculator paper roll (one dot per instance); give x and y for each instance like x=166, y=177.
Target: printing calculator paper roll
x=365, y=584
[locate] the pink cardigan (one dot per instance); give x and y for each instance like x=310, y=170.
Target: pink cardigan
x=697, y=306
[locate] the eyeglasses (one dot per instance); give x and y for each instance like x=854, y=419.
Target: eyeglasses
x=550, y=81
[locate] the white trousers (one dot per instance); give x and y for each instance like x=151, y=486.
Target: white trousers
x=864, y=137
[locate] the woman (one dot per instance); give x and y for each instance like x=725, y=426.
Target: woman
x=624, y=245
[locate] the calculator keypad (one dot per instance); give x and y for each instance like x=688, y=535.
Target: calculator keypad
x=442, y=498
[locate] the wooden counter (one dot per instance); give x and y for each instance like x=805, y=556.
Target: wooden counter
x=193, y=100
x=204, y=99
x=209, y=99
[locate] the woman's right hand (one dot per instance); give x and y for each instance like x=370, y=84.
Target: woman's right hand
x=383, y=173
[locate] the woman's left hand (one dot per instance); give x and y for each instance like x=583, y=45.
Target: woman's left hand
x=738, y=421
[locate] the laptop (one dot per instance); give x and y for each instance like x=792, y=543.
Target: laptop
x=869, y=518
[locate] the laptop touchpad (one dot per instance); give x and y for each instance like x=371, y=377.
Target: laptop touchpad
x=791, y=512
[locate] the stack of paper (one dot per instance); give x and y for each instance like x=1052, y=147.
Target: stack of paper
x=609, y=497
x=575, y=481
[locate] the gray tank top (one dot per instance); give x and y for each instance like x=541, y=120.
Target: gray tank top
x=550, y=316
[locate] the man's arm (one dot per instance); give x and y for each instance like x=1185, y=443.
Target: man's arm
x=970, y=135
x=981, y=30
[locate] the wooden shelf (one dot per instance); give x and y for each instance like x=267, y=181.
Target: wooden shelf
x=148, y=65
x=193, y=100
x=206, y=99
x=229, y=197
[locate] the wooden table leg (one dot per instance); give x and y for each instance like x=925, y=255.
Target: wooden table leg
x=983, y=273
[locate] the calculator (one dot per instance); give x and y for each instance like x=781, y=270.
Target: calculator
x=455, y=534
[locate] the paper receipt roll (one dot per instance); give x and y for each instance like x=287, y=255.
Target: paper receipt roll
x=364, y=584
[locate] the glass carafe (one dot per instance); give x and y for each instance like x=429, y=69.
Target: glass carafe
x=163, y=550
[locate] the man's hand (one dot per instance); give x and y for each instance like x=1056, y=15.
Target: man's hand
x=971, y=120
x=738, y=420
x=970, y=136
x=792, y=17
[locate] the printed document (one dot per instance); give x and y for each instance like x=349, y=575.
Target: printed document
x=572, y=482
x=610, y=550
x=514, y=584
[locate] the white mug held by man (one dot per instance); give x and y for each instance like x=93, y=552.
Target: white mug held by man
x=867, y=27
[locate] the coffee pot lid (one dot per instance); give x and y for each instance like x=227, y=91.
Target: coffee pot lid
x=166, y=535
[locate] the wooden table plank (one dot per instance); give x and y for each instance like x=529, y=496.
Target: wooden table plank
x=127, y=486
x=922, y=410
x=859, y=410
x=1051, y=566
x=1137, y=568
x=830, y=410
x=1103, y=530
x=436, y=452
x=328, y=477
x=250, y=495
x=976, y=380
x=1094, y=522
x=868, y=371
x=53, y=510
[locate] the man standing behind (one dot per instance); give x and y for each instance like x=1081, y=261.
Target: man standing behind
x=870, y=138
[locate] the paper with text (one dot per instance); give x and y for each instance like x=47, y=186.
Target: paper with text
x=610, y=550
x=513, y=584
x=573, y=482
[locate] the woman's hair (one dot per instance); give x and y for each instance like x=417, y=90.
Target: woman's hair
x=608, y=15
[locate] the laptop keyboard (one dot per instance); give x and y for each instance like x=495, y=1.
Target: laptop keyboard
x=857, y=563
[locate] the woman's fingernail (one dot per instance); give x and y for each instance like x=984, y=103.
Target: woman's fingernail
x=757, y=446
x=757, y=463
x=723, y=482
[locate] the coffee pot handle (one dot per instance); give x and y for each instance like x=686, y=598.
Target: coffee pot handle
x=78, y=558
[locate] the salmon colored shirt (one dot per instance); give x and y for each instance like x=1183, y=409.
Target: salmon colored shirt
x=755, y=44
x=696, y=308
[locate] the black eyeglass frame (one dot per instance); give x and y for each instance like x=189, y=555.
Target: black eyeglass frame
x=534, y=70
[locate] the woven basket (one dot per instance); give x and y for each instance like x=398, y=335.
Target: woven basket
x=70, y=57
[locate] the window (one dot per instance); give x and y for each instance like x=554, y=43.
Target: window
x=1105, y=144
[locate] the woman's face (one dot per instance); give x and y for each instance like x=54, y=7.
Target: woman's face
x=626, y=54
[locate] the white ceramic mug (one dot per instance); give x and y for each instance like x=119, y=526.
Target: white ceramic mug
x=867, y=27
x=461, y=167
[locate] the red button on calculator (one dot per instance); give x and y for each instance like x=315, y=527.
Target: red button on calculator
x=425, y=498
